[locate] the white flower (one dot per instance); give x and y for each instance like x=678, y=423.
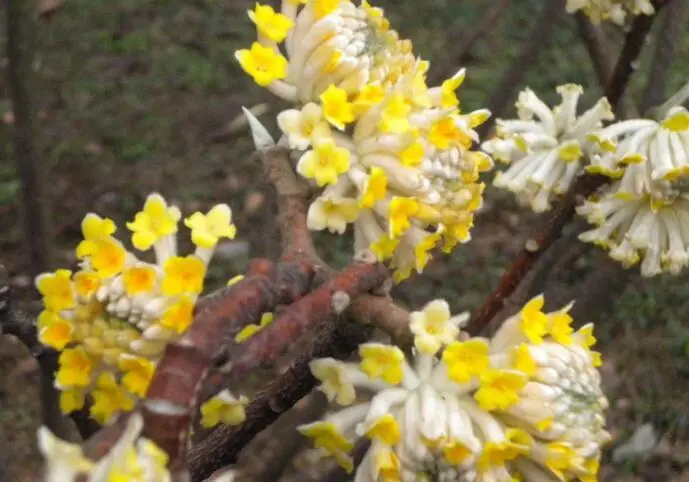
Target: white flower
x=526, y=403
x=433, y=327
x=301, y=126
x=332, y=213
x=544, y=147
x=650, y=229
x=644, y=151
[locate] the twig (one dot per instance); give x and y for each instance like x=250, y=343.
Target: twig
x=581, y=189
x=668, y=38
x=223, y=445
x=542, y=29
x=602, y=57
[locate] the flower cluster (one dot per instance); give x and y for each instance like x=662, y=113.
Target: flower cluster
x=644, y=215
x=112, y=318
x=616, y=11
x=524, y=405
x=545, y=148
x=392, y=155
x=133, y=459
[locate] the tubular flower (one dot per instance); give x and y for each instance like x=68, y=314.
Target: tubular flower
x=112, y=318
x=524, y=411
x=544, y=147
x=616, y=11
x=643, y=215
x=132, y=458
x=651, y=229
x=392, y=155
x=641, y=152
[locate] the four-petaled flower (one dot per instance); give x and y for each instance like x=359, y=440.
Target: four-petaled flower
x=263, y=64
x=336, y=107
x=270, y=24
x=466, y=359
x=324, y=163
x=223, y=408
x=382, y=361
x=183, y=275
x=207, y=229
x=334, y=380
x=155, y=221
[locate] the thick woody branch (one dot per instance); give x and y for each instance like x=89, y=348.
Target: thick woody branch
x=321, y=306
x=223, y=445
x=581, y=189
x=169, y=406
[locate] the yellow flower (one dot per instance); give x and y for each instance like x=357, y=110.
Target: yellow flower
x=432, y=327
x=137, y=373
x=336, y=108
x=499, y=389
x=139, y=279
x=449, y=99
x=57, y=290
x=533, y=322
x=183, y=275
x=495, y=454
x=384, y=247
x=71, y=400
x=324, y=7
x=678, y=122
x=422, y=250
x=332, y=213
x=382, y=361
x=108, y=399
x=156, y=220
x=368, y=96
x=324, y=163
x=250, y=330
x=326, y=436
x=86, y=283
x=375, y=188
x=93, y=228
x=223, y=408
x=387, y=465
x=561, y=327
x=178, y=316
x=559, y=457
x=207, y=229
x=466, y=359
x=57, y=333
x=401, y=209
x=445, y=133
x=263, y=64
x=413, y=154
x=385, y=429
x=270, y=24
x=592, y=466
x=108, y=257
x=75, y=368
x=334, y=381
x=455, y=452
x=394, y=117
x=304, y=126
x=522, y=360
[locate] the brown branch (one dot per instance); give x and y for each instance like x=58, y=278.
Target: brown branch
x=169, y=406
x=22, y=326
x=384, y=314
x=223, y=445
x=581, y=189
x=666, y=47
x=602, y=56
x=543, y=27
